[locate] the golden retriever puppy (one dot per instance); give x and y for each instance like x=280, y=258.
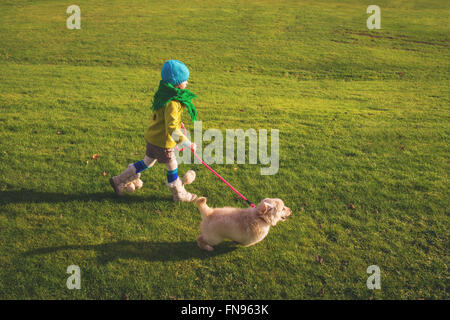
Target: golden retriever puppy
x=245, y=226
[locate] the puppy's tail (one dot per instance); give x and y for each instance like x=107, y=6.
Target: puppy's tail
x=203, y=207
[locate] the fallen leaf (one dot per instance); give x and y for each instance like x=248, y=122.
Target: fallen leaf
x=158, y=211
x=319, y=259
x=125, y=297
x=351, y=206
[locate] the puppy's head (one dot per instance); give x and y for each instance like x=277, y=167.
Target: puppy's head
x=273, y=210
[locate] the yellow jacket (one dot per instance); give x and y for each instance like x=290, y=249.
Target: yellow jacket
x=164, y=122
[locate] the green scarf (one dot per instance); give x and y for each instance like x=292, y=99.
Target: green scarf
x=167, y=92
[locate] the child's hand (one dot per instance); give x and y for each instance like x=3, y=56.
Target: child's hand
x=190, y=145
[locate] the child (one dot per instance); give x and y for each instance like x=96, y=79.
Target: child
x=164, y=131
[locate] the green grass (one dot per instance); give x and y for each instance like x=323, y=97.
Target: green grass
x=363, y=118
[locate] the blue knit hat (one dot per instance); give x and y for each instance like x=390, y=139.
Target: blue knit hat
x=174, y=72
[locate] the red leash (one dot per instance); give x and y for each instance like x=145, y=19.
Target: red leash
x=217, y=175
x=223, y=180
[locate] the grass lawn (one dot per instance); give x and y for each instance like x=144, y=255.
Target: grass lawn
x=363, y=117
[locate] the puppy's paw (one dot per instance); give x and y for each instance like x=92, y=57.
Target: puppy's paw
x=208, y=248
x=203, y=245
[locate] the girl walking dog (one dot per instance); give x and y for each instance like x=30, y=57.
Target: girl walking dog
x=164, y=133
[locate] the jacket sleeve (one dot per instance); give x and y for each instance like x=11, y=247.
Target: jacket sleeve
x=172, y=117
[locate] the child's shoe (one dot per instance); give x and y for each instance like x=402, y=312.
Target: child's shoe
x=179, y=192
x=134, y=184
x=120, y=182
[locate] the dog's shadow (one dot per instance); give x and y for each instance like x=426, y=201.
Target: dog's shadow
x=107, y=252
x=143, y=250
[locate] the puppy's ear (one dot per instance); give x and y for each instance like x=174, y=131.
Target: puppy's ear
x=264, y=209
x=199, y=202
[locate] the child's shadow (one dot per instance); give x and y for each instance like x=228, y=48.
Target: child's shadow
x=32, y=196
x=144, y=250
